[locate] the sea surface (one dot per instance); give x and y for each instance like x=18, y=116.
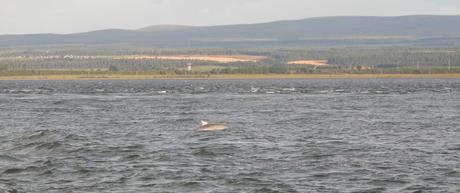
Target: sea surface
x=313, y=135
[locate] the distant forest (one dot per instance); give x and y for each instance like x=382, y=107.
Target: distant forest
x=340, y=59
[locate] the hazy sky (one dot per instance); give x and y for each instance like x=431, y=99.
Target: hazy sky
x=67, y=16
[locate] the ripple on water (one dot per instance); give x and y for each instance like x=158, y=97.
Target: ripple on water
x=284, y=136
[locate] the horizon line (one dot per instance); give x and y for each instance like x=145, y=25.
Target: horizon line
x=234, y=24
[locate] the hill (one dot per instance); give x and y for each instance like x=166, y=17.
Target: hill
x=164, y=28
x=322, y=31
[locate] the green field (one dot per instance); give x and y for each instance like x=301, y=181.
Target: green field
x=147, y=76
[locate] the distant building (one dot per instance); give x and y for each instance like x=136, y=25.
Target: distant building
x=189, y=66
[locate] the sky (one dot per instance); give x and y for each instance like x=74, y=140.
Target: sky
x=71, y=16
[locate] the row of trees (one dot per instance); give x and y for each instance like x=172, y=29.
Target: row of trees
x=386, y=59
x=265, y=70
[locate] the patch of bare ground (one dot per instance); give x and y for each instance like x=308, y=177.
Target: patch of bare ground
x=214, y=58
x=309, y=62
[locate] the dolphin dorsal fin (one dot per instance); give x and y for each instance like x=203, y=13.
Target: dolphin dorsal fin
x=203, y=123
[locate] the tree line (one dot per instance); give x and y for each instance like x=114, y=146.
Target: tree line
x=341, y=59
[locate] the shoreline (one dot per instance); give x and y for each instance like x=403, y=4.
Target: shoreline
x=224, y=76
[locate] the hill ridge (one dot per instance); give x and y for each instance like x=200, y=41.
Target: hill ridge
x=330, y=30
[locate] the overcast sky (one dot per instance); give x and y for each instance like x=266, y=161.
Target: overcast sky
x=69, y=16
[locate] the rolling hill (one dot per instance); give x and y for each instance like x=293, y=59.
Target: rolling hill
x=323, y=31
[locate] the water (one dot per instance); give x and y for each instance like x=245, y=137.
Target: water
x=353, y=135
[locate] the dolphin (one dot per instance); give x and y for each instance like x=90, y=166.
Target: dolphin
x=205, y=126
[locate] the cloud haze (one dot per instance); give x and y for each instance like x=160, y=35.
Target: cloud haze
x=67, y=16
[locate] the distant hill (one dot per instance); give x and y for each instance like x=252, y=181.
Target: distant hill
x=346, y=30
x=164, y=28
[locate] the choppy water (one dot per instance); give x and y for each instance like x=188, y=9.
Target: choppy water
x=354, y=135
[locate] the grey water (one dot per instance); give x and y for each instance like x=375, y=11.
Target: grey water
x=313, y=135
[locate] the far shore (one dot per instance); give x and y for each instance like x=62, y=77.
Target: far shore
x=220, y=76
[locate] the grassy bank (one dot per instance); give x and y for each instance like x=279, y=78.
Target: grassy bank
x=217, y=76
